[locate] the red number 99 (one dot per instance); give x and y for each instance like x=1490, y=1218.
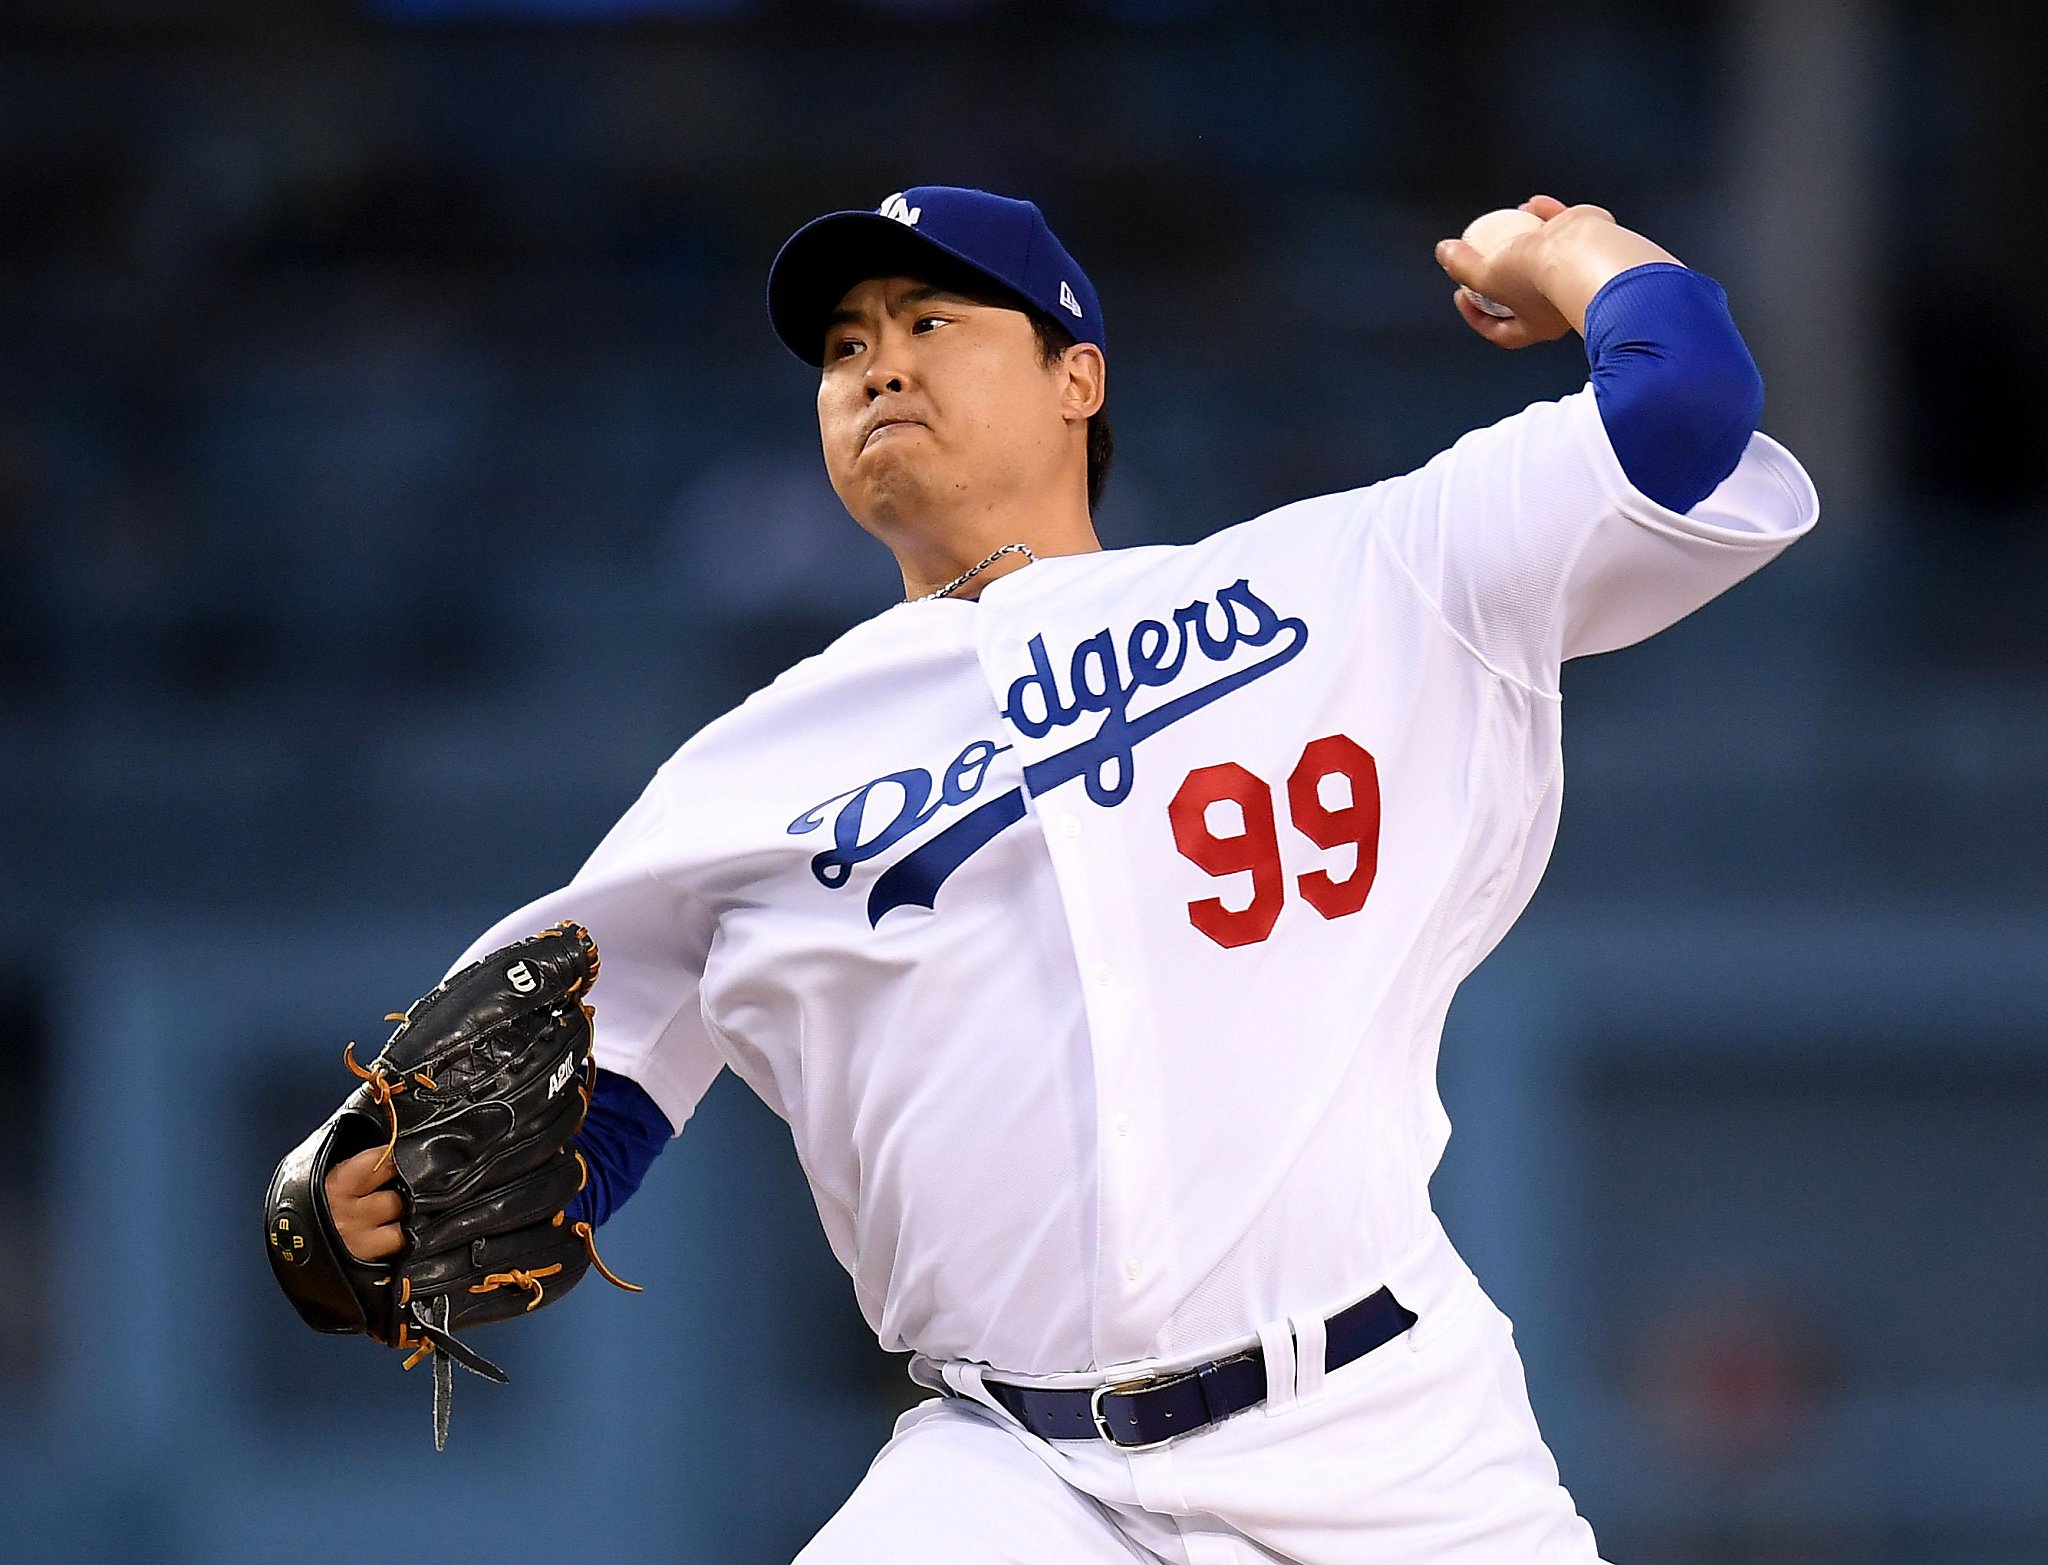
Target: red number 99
x=1254, y=849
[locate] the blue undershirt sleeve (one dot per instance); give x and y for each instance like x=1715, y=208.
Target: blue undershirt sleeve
x=1678, y=393
x=621, y=1136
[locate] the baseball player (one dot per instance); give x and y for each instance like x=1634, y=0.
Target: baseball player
x=1091, y=916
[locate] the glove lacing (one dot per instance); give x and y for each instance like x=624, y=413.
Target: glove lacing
x=382, y=1090
x=518, y=1277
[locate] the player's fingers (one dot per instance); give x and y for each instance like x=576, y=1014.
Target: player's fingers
x=1511, y=331
x=379, y=1208
x=1545, y=207
x=1468, y=310
x=373, y=1244
x=1493, y=328
x=1587, y=209
x=355, y=1176
x=368, y=1225
x=1461, y=261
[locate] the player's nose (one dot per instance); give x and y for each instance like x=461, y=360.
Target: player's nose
x=886, y=367
x=880, y=378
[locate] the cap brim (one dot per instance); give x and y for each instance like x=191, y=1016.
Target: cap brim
x=829, y=255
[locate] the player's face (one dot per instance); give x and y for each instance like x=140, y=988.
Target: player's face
x=932, y=404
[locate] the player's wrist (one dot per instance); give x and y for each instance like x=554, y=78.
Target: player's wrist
x=1582, y=250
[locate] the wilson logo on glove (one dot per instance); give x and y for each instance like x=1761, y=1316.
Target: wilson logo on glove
x=521, y=978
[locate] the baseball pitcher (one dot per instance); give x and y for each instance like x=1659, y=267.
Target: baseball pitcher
x=1091, y=917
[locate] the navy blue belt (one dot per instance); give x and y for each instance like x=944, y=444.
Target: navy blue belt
x=1137, y=1413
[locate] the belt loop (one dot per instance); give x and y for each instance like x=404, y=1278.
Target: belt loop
x=964, y=1379
x=1311, y=1348
x=1276, y=1341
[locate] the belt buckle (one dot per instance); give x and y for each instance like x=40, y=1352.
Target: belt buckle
x=1125, y=1388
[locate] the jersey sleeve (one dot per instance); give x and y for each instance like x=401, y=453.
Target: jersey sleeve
x=1534, y=546
x=620, y=1137
x=652, y=939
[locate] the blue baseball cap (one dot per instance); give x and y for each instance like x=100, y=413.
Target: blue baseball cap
x=995, y=238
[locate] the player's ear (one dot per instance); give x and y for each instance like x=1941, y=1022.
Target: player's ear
x=1084, y=386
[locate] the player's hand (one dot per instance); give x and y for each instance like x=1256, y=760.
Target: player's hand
x=1513, y=276
x=365, y=1208
x=1548, y=275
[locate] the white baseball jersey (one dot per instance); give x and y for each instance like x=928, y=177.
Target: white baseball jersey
x=1095, y=937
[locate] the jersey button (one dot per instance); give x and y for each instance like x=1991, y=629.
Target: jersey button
x=1123, y=1124
x=1100, y=973
x=1131, y=1268
x=1070, y=826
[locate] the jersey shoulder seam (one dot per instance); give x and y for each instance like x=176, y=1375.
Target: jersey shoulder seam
x=1436, y=611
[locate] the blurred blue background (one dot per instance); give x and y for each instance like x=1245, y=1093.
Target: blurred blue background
x=396, y=465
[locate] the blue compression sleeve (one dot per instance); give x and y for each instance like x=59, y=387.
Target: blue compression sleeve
x=1678, y=392
x=621, y=1136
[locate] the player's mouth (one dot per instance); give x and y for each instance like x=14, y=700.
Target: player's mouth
x=882, y=428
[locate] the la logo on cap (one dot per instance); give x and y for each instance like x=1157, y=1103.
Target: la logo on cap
x=1067, y=300
x=904, y=212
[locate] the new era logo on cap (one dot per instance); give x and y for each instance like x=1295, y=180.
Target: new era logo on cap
x=933, y=231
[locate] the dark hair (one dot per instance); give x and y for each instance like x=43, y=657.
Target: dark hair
x=1053, y=340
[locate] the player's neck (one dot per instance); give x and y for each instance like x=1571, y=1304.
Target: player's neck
x=931, y=559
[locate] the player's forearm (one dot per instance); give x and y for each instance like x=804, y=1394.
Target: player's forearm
x=620, y=1138
x=1580, y=253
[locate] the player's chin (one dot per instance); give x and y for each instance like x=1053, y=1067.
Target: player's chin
x=895, y=446
x=891, y=491
x=898, y=466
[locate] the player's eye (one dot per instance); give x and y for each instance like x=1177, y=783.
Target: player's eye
x=927, y=320
x=842, y=348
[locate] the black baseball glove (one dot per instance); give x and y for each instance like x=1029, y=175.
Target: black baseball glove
x=475, y=1098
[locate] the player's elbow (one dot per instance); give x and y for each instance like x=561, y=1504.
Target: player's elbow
x=1716, y=397
x=1678, y=391
x=1679, y=422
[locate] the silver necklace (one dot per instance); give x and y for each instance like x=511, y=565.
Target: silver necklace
x=973, y=571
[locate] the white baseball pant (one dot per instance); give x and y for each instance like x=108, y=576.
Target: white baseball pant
x=1424, y=1452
